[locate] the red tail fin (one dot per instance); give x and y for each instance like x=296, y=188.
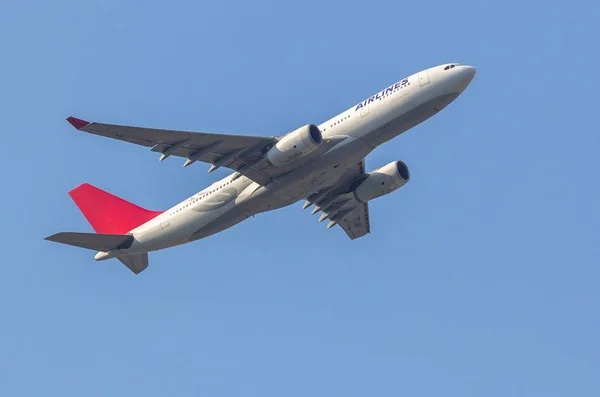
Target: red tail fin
x=109, y=214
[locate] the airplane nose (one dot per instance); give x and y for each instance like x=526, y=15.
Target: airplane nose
x=466, y=74
x=470, y=70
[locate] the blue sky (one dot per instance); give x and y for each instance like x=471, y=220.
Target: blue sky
x=480, y=276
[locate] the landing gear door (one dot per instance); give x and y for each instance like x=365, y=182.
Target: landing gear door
x=424, y=78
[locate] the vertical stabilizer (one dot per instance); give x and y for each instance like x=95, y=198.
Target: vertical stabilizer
x=109, y=214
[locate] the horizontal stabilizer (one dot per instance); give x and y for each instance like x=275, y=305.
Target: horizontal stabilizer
x=136, y=263
x=92, y=241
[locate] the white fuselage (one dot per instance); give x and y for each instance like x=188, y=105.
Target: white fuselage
x=357, y=132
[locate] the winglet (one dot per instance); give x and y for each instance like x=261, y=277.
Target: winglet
x=77, y=123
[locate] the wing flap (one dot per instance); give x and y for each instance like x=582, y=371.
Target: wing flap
x=339, y=205
x=356, y=222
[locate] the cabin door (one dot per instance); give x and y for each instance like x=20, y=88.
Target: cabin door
x=424, y=78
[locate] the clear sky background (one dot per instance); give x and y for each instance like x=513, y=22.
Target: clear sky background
x=480, y=277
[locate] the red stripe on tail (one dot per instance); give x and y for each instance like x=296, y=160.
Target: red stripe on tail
x=109, y=214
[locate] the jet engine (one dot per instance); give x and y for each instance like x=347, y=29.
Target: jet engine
x=382, y=181
x=294, y=145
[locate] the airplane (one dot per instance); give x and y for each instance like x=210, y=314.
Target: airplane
x=324, y=164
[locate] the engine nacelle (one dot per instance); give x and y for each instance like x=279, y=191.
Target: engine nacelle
x=382, y=181
x=296, y=144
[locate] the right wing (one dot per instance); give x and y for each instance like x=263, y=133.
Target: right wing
x=238, y=152
x=339, y=205
x=356, y=222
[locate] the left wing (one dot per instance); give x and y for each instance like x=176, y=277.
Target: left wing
x=339, y=205
x=241, y=153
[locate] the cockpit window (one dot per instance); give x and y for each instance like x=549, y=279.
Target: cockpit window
x=450, y=67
